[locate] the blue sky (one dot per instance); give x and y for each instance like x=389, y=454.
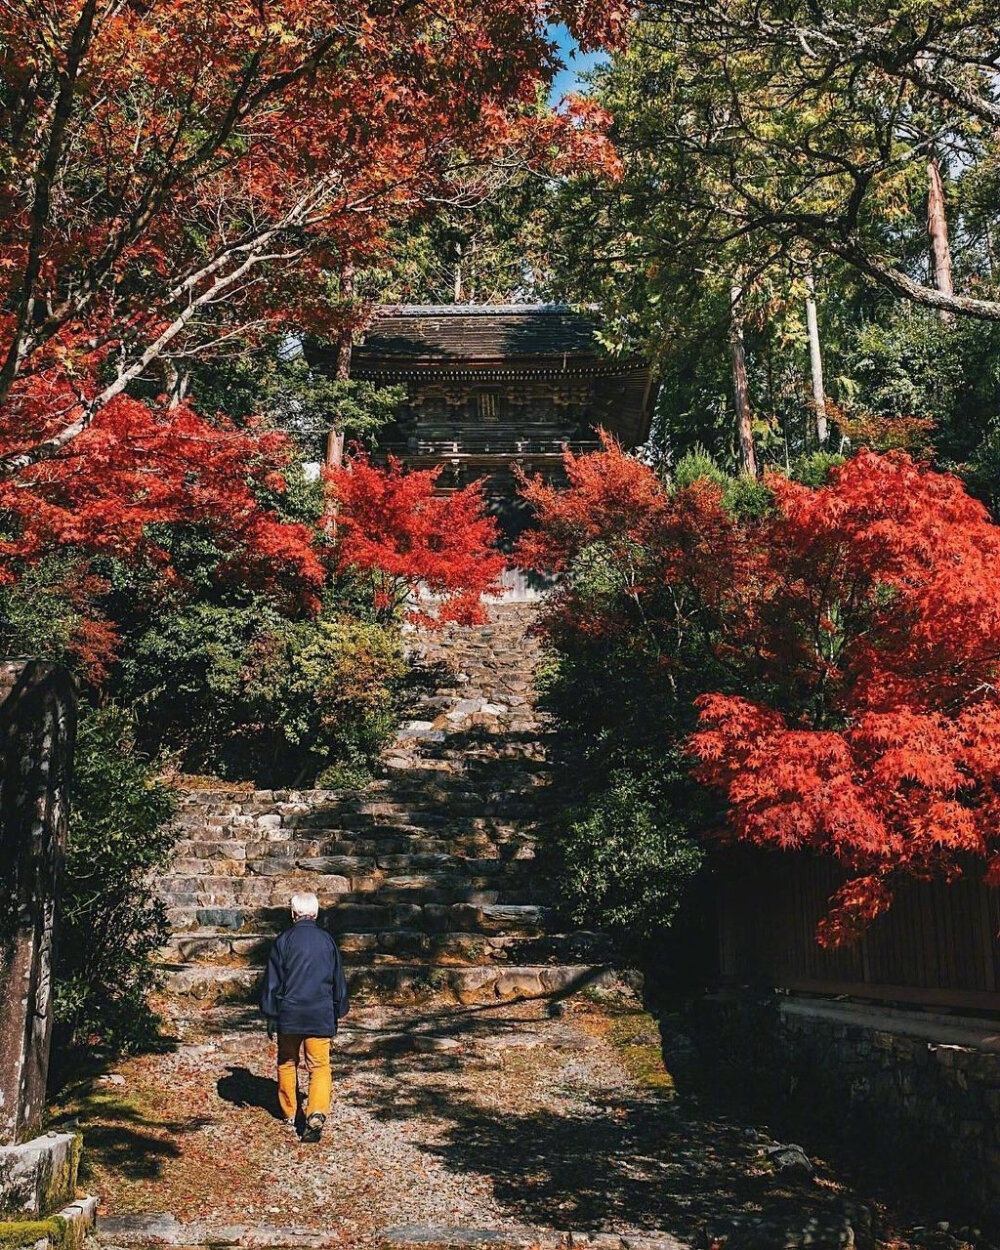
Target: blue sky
x=577, y=62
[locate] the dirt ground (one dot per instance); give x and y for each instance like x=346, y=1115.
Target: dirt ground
x=506, y=1118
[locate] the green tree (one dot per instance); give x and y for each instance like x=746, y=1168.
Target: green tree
x=796, y=124
x=111, y=923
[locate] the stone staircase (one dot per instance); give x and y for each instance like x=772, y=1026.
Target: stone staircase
x=427, y=877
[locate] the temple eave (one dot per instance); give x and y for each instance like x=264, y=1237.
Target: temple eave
x=371, y=370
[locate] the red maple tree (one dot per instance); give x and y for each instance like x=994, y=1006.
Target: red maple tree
x=407, y=542
x=134, y=468
x=853, y=633
x=185, y=173
x=182, y=176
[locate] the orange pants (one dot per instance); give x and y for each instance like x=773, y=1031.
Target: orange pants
x=317, y=1065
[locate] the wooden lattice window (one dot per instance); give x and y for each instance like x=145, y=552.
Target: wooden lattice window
x=488, y=405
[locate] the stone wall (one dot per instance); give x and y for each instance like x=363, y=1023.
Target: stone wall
x=37, y=725
x=914, y=1093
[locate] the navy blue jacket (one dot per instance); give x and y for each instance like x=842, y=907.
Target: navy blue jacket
x=304, y=986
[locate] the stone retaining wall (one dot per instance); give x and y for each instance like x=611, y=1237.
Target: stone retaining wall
x=915, y=1093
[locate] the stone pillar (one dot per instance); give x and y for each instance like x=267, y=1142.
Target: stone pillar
x=37, y=726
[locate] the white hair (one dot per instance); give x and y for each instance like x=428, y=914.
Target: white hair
x=305, y=906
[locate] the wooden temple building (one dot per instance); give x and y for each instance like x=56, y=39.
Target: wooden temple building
x=491, y=387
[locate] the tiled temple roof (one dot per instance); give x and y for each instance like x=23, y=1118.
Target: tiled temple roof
x=502, y=345
x=484, y=333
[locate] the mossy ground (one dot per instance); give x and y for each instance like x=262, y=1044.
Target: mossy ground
x=636, y=1037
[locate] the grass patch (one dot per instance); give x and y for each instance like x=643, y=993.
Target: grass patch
x=637, y=1039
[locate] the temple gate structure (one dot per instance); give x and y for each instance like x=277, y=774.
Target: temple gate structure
x=494, y=388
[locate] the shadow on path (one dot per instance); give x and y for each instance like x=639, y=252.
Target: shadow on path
x=595, y=1158
x=244, y=1088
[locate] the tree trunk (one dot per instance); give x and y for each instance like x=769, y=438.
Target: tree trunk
x=741, y=389
x=816, y=362
x=345, y=340
x=342, y=370
x=937, y=228
x=177, y=381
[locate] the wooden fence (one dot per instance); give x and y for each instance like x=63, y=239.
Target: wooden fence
x=937, y=946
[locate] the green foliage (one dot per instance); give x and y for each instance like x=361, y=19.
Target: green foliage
x=279, y=385
x=331, y=686
x=982, y=473
x=491, y=251
x=110, y=921
x=627, y=850
x=698, y=465
x=41, y=614
x=241, y=691
x=814, y=469
x=911, y=364
x=741, y=495
x=628, y=858
x=746, y=497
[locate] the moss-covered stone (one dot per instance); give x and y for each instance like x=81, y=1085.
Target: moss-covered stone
x=67, y=1230
x=25, y=1234
x=39, y=1177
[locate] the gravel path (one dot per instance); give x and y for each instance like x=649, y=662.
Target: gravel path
x=501, y=1118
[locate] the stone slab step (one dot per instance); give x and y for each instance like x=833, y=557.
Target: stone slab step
x=251, y=949
x=432, y=822
x=485, y=918
x=448, y=1237
x=390, y=851
x=500, y=795
x=446, y=868
x=275, y=892
x=149, y=1230
x=164, y=1229
x=478, y=984
x=263, y=885
x=530, y=760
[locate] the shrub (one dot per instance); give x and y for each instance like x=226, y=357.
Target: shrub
x=238, y=690
x=628, y=858
x=838, y=645
x=111, y=923
x=330, y=689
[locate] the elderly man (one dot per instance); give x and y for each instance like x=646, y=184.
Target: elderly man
x=304, y=997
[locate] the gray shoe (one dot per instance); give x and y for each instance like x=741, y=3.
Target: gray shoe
x=314, y=1127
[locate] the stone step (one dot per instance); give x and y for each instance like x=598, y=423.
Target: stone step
x=371, y=916
x=440, y=818
x=275, y=891
x=483, y=777
x=467, y=830
x=251, y=949
x=364, y=872
x=377, y=852
x=476, y=984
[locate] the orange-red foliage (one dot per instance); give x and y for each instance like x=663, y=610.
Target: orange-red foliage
x=184, y=171
x=858, y=625
x=135, y=467
x=393, y=530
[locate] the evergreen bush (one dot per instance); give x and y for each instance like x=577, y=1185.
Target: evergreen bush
x=111, y=923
